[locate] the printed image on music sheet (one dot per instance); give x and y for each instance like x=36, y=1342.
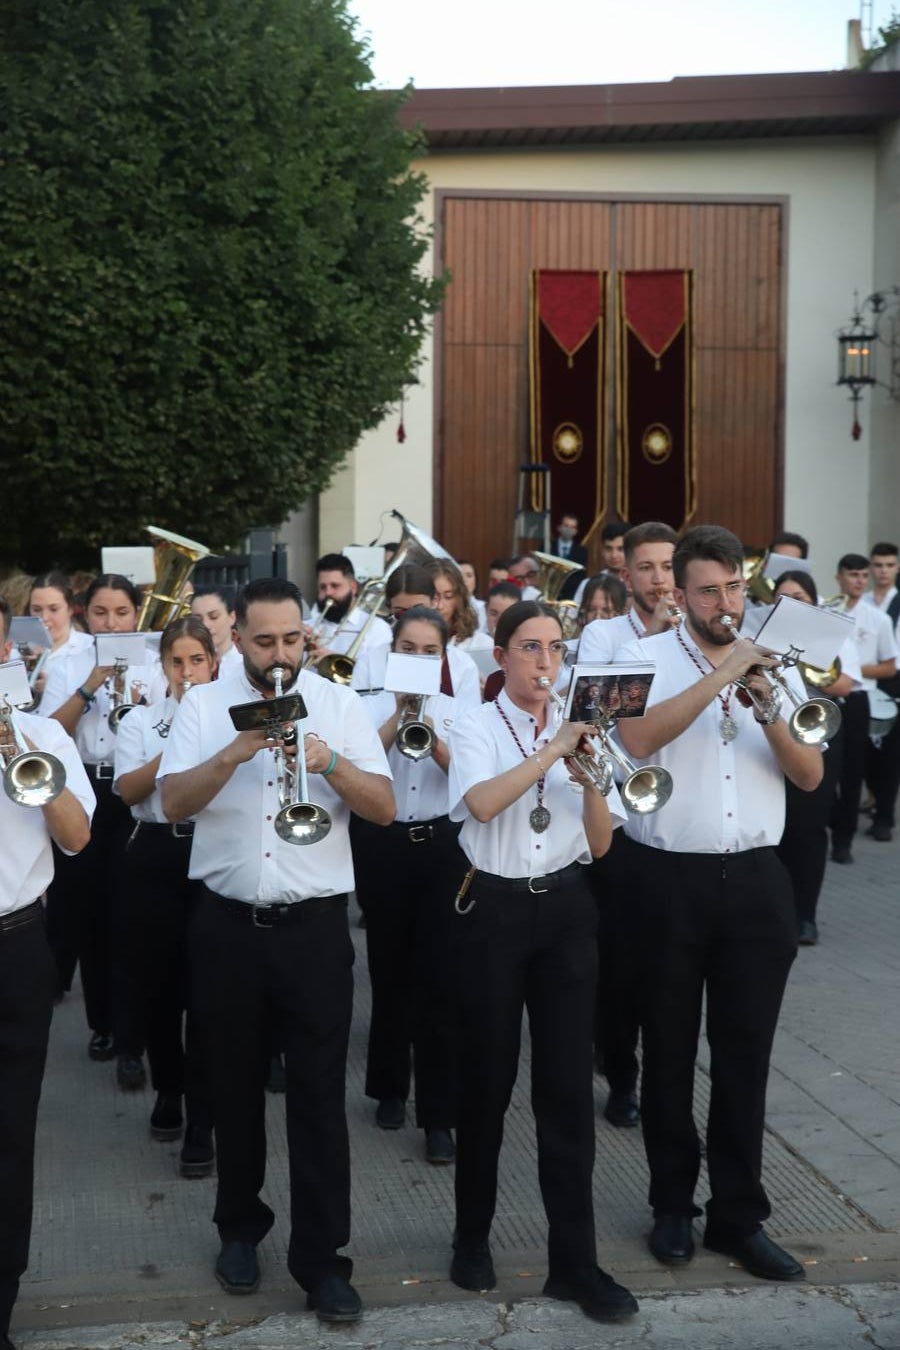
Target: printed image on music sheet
x=602, y=693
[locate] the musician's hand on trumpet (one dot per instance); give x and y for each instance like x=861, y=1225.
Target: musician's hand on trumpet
x=666, y=613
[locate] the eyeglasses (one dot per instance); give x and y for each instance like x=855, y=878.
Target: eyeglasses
x=534, y=649
x=709, y=595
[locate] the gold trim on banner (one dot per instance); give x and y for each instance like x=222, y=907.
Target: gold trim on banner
x=690, y=420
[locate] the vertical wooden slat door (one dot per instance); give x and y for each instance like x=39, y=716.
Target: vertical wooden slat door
x=490, y=245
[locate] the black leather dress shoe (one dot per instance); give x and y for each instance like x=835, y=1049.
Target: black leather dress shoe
x=335, y=1300
x=622, y=1109
x=671, y=1239
x=840, y=853
x=596, y=1293
x=472, y=1267
x=390, y=1113
x=198, y=1156
x=101, y=1046
x=166, y=1120
x=131, y=1075
x=757, y=1253
x=237, y=1268
x=807, y=933
x=439, y=1147
x=883, y=833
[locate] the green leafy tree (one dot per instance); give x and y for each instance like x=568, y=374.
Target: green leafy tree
x=211, y=248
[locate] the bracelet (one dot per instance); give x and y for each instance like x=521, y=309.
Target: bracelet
x=331, y=763
x=88, y=698
x=537, y=760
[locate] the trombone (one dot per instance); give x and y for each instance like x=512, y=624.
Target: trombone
x=315, y=632
x=30, y=777
x=415, y=738
x=338, y=666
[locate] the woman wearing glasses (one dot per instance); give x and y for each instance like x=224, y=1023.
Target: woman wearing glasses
x=523, y=936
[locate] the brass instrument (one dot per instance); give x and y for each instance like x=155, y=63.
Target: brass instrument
x=34, y=664
x=817, y=677
x=554, y=574
x=117, y=704
x=316, y=630
x=338, y=666
x=174, y=559
x=813, y=722
x=599, y=771
x=759, y=587
x=415, y=547
x=30, y=777
x=415, y=738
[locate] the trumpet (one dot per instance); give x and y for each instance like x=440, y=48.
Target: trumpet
x=415, y=738
x=299, y=821
x=30, y=777
x=117, y=705
x=599, y=771
x=673, y=610
x=814, y=720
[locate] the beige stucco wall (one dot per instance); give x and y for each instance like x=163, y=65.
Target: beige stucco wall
x=830, y=254
x=884, y=413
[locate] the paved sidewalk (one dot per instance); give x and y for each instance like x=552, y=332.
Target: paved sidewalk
x=123, y=1248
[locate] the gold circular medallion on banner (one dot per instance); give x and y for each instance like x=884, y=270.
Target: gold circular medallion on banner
x=567, y=443
x=656, y=443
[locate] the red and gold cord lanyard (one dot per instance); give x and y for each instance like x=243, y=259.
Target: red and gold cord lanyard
x=728, y=727
x=539, y=817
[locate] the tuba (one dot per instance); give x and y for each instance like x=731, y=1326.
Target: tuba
x=554, y=574
x=174, y=559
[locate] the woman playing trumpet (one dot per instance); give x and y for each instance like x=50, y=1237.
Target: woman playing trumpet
x=524, y=926
x=406, y=876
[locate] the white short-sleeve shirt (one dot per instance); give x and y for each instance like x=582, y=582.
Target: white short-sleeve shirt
x=95, y=740
x=142, y=735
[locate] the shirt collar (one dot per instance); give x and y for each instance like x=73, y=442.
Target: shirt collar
x=520, y=719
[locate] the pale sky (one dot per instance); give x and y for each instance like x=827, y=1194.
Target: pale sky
x=456, y=43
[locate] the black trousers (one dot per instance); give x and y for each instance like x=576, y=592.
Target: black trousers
x=27, y=980
x=854, y=738
x=515, y=950
x=617, y=1007
x=883, y=774
x=300, y=973
x=405, y=884
x=804, y=845
x=150, y=966
x=725, y=924
x=80, y=901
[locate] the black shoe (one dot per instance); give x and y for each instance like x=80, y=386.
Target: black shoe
x=166, y=1119
x=757, y=1253
x=101, y=1046
x=439, y=1147
x=391, y=1114
x=335, y=1300
x=198, y=1154
x=472, y=1267
x=622, y=1109
x=130, y=1073
x=596, y=1294
x=276, y=1081
x=840, y=853
x=237, y=1268
x=807, y=933
x=883, y=833
x=671, y=1240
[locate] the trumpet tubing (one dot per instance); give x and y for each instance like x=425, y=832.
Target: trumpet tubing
x=299, y=821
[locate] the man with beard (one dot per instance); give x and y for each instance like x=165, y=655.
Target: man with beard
x=269, y=940
x=648, y=575
x=714, y=906
x=337, y=588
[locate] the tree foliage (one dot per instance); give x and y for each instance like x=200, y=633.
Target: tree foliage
x=210, y=248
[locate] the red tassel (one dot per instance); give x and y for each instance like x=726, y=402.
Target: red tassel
x=857, y=430
x=401, y=432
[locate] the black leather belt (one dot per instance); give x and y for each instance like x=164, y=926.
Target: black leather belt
x=550, y=881
x=424, y=831
x=99, y=772
x=21, y=918
x=271, y=916
x=182, y=829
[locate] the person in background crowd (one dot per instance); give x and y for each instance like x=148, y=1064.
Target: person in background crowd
x=214, y=609
x=883, y=756
x=498, y=570
x=647, y=572
x=337, y=586
x=524, y=571
x=790, y=545
x=85, y=888
x=51, y=600
x=804, y=843
x=470, y=577
x=499, y=599
x=877, y=651
x=565, y=544
x=451, y=600
x=27, y=973
x=604, y=597
x=150, y=972
x=612, y=546
x=524, y=935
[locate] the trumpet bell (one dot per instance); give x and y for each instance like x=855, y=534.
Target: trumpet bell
x=34, y=778
x=647, y=789
x=815, y=721
x=415, y=740
x=302, y=823
x=116, y=714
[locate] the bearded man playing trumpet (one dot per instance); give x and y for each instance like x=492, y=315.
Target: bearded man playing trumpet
x=269, y=938
x=714, y=904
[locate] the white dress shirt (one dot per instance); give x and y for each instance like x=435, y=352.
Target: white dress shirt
x=420, y=786
x=478, y=642
x=232, y=660
x=480, y=608
x=95, y=741
x=727, y=796
x=481, y=747
x=602, y=638
x=368, y=673
x=884, y=606
x=142, y=735
x=377, y=634
x=26, y=857
x=873, y=633
x=236, y=850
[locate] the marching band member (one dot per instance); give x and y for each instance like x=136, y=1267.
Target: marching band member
x=51, y=601
x=883, y=754
x=269, y=938
x=647, y=572
x=604, y=597
x=150, y=969
x=524, y=926
x=79, y=901
x=337, y=586
x=451, y=600
x=27, y=975
x=714, y=905
x=470, y=577
x=216, y=611
x=406, y=876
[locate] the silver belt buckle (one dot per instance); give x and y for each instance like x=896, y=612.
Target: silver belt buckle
x=183, y=829
x=103, y=771
x=419, y=838
x=259, y=910
x=539, y=890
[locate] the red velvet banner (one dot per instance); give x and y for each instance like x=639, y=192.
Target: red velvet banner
x=567, y=354
x=655, y=404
